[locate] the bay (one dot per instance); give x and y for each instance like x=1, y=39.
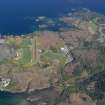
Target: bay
x=13, y=13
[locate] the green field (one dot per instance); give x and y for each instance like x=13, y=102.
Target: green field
x=50, y=56
x=26, y=51
x=94, y=24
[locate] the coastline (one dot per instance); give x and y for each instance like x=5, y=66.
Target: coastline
x=48, y=72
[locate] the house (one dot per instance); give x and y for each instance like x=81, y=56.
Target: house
x=67, y=53
x=4, y=82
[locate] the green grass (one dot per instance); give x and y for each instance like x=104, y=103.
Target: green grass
x=26, y=56
x=4, y=61
x=25, y=45
x=49, y=56
x=94, y=26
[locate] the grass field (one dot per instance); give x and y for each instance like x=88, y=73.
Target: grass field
x=26, y=51
x=50, y=56
x=94, y=25
x=26, y=56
